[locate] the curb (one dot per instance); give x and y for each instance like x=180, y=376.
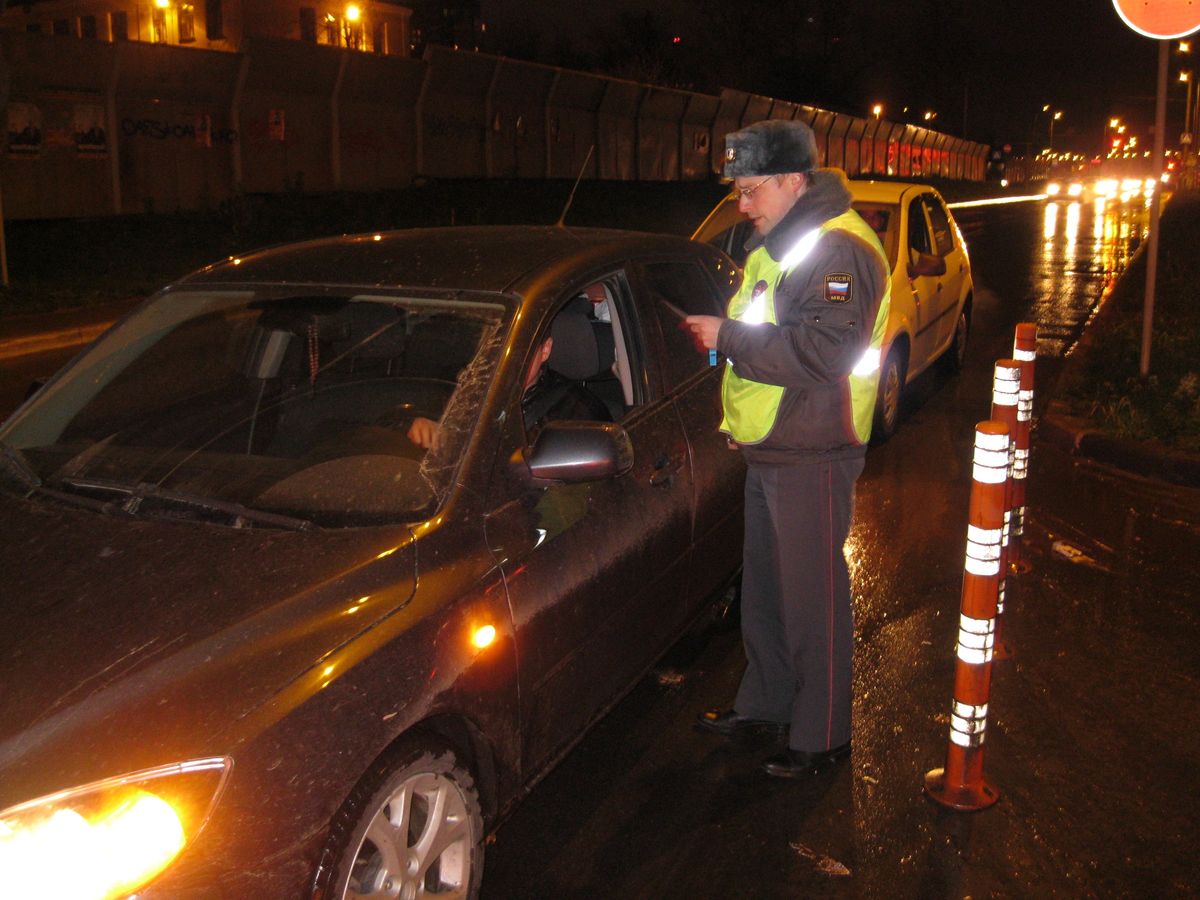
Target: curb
x=1147, y=458
x=28, y=333
x=51, y=340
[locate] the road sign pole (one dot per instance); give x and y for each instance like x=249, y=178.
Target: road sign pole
x=1160, y=129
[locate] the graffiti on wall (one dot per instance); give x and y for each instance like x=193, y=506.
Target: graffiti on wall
x=200, y=130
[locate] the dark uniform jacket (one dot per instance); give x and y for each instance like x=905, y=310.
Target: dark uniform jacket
x=819, y=338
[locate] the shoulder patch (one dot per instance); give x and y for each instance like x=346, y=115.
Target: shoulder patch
x=839, y=286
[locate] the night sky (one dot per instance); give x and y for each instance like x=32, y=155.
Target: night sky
x=985, y=68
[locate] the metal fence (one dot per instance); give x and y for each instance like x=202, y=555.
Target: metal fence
x=96, y=128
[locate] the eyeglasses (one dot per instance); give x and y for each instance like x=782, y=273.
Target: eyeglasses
x=747, y=193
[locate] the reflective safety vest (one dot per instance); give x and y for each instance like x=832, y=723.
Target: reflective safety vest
x=751, y=407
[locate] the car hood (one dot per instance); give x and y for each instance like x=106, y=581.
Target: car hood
x=132, y=643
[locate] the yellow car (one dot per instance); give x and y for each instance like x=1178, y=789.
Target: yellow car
x=931, y=280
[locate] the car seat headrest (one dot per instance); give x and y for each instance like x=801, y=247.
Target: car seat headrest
x=574, y=353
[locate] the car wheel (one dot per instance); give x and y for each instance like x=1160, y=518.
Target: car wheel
x=956, y=353
x=411, y=828
x=887, y=402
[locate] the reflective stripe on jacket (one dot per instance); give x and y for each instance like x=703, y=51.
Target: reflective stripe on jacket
x=752, y=407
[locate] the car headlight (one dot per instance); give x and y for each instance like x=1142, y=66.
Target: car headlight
x=1053, y=188
x=115, y=835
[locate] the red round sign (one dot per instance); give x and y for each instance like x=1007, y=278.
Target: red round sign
x=1162, y=19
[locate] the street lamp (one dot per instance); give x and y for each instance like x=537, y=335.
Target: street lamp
x=1054, y=118
x=877, y=110
x=930, y=115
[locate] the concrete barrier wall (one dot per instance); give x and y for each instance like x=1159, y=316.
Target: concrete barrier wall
x=573, y=125
x=174, y=139
x=377, y=121
x=94, y=128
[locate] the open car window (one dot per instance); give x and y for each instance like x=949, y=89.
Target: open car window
x=884, y=220
x=592, y=364
x=293, y=403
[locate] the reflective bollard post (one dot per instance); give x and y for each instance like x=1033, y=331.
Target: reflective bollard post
x=961, y=785
x=1006, y=383
x=1025, y=353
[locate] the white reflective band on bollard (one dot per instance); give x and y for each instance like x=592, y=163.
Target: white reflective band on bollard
x=1024, y=406
x=1007, y=527
x=1024, y=355
x=1000, y=598
x=1006, y=386
x=1019, y=521
x=991, y=466
x=991, y=458
x=983, y=550
x=976, y=639
x=968, y=724
x=1020, y=463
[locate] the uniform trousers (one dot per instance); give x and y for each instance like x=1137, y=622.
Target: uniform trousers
x=797, y=622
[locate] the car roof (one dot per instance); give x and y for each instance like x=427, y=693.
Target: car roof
x=485, y=258
x=885, y=191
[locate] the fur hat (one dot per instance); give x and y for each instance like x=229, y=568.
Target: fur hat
x=770, y=147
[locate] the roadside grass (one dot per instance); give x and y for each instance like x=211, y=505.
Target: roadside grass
x=1106, y=387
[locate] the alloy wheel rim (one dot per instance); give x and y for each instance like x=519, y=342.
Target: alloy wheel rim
x=891, y=395
x=417, y=844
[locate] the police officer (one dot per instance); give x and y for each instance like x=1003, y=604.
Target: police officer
x=802, y=340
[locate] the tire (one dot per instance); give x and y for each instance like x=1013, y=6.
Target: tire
x=887, y=400
x=411, y=828
x=956, y=354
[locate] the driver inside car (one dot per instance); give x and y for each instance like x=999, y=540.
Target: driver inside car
x=578, y=352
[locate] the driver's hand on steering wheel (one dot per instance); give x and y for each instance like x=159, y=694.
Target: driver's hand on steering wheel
x=424, y=433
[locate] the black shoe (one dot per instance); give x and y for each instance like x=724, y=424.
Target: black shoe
x=800, y=763
x=729, y=723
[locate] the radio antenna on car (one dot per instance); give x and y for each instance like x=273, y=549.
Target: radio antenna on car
x=575, y=187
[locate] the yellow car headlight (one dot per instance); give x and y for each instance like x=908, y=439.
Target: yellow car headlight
x=118, y=834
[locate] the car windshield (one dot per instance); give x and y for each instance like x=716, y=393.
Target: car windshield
x=271, y=402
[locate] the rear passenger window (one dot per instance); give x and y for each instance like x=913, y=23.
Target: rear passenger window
x=943, y=236
x=918, y=231
x=685, y=286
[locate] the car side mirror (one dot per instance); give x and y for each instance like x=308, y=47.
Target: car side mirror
x=580, y=451
x=926, y=264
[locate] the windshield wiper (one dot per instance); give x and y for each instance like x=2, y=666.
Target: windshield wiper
x=15, y=464
x=141, y=498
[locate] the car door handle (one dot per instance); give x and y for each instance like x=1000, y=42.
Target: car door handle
x=663, y=471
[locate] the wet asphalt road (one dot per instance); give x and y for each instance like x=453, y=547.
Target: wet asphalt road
x=1091, y=737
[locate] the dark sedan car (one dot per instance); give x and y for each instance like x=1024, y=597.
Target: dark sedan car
x=317, y=560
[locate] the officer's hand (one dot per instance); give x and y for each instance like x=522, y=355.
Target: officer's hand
x=704, y=329
x=424, y=433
